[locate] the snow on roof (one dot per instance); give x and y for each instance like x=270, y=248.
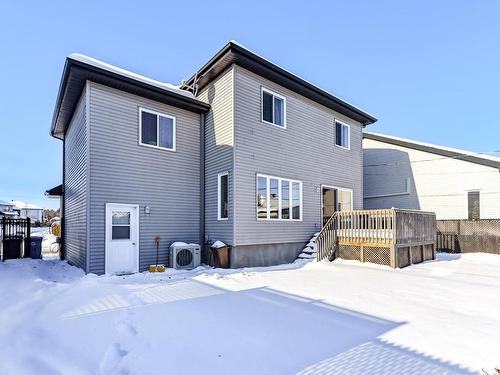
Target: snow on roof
x=451, y=149
x=20, y=205
x=126, y=73
x=4, y=203
x=296, y=75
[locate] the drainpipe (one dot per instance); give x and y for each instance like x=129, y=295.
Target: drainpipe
x=202, y=180
x=62, y=250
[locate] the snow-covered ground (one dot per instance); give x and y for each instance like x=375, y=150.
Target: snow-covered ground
x=439, y=317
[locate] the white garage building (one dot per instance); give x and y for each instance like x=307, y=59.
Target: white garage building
x=456, y=184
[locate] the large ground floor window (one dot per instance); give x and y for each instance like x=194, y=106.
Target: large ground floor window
x=278, y=198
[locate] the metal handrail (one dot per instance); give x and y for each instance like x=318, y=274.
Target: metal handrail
x=327, y=239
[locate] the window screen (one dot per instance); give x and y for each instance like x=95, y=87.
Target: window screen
x=166, y=131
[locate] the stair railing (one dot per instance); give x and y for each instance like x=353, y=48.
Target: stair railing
x=326, y=241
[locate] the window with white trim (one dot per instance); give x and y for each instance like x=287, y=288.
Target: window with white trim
x=278, y=198
x=156, y=130
x=342, y=134
x=273, y=108
x=223, y=196
x=120, y=225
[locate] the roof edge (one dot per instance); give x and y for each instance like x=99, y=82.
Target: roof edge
x=124, y=82
x=433, y=150
x=235, y=47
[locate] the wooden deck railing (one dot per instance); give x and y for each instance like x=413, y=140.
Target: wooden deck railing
x=413, y=227
x=384, y=228
x=366, y=226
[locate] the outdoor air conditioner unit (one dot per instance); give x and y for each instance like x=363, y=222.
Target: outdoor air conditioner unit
x=183, y=256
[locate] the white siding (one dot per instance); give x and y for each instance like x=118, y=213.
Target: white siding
x=438, y=183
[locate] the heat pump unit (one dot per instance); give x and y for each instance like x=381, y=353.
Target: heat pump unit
x=184, y=256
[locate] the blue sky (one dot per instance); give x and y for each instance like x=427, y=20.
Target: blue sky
x=428, y=70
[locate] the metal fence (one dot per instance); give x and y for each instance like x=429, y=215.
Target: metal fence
x=15, y=234
x=468, y=236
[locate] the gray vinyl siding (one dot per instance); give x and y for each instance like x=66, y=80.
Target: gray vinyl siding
x=303, y=151
x=122, y=171
x=219, y=152
x=76, y=187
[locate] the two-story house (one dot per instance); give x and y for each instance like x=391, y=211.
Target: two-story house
x=243, y=152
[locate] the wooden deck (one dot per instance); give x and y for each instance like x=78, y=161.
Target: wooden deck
x=394, y=237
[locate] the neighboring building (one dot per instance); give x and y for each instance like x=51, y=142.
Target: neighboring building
x=56, y=193
x=25, y=210
x=243, y=152
x=455, y=184
x=7, y=209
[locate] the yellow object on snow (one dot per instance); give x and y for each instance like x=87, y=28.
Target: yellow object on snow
x=157, y=268
x=55, y=228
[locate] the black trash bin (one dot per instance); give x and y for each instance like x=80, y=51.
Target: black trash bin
x=36, y=247
x=12, y=247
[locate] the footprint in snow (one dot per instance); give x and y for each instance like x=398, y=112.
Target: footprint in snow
x=125, y=325
x=110, y=363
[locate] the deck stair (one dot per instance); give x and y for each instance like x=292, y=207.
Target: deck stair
x=310, y=250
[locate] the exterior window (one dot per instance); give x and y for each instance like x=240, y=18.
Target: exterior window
x=278, y=198
x=273, y=108
x=222, y=196
x=342, y=135
x=285, y=200
x=473, y=205
x=156, y=130
x=120, y=225
x=262, y=197
x=296, y=203
x=345, y=200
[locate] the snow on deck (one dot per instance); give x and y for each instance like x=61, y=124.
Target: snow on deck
x=342, y=317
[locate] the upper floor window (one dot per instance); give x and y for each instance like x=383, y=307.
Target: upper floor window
x=223, y=196
x=342, y=134
x=278, y=198
x=156, y=130
x=273, y=108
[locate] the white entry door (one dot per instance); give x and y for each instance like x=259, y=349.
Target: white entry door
x=122, y=238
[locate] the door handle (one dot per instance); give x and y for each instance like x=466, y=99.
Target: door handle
x=133, y=243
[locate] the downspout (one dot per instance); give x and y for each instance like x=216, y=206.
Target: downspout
x=87, y=178
x=202, y=180
x=62, y=252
